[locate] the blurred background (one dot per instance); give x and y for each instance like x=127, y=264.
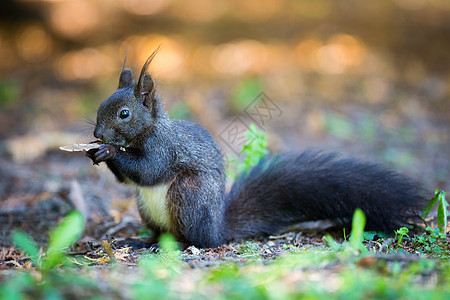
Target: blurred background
x=369, y=79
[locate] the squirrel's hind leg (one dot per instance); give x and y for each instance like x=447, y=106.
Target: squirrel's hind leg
x=197, y=206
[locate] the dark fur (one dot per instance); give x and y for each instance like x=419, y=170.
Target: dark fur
x=280, y=191
x=289, y=188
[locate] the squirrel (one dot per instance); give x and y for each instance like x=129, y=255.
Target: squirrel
x=179, y=172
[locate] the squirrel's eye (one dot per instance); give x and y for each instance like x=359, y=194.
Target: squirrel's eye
x=124, y=113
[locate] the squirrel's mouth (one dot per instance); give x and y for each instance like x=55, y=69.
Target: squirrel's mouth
x=110, y=136
x=117, y=142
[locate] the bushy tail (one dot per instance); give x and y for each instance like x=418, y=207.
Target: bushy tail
x=287, y=189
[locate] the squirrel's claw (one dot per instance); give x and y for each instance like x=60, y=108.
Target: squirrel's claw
x=91, y=154
x=104, y=153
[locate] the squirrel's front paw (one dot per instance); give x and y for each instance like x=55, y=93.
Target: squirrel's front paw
x=91, y=154
x=105, y=152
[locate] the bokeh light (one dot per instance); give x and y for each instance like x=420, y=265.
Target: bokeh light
x=144, y=7
x=237, y=58
x=257, y=10
x=74, y=19
x=83, y=64
x=199, y=10
x=312, y=9
x=342, y=51
x=306, y=53
x=34, y=43
x=169, y=63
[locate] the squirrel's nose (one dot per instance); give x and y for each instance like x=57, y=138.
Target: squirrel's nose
x=98, y=133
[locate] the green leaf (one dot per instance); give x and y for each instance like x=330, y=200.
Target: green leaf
x=402, y=231
x=14, y=288
x=63, y=236
x=357, y=233
x=400, y=234
x=254, y=150
x=255, y=147
x=442, y=212
x=332, y=243
x=168, y=243
x=427, y=209
x=27, y=244
x=244, y=93
x=339, y=126
x=370, y=235
x=179, y=111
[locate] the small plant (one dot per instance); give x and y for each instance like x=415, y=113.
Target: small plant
x=167, y=255
x=61, y=238
x=158, y=270
x=47, y=282
x=442, y=211
x=401, y=233
x=250, y=249
x=357, y=233
x=355, y=243
x=254, y=149
x=290, y=247
x=432, y=241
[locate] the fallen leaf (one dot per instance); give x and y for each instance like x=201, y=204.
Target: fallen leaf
x=80, y=147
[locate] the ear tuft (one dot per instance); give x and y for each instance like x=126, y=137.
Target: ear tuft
x=145, y=84
x=126, y=79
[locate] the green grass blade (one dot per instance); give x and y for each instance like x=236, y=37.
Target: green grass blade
x=27, y=244
x=64, y=236
x=442, y=212
x=332, y=243
x=168, y=243
x=357, y=234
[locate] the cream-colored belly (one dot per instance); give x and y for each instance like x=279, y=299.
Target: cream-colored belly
x=152, y=203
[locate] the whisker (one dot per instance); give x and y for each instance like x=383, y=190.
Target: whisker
x=90, y=121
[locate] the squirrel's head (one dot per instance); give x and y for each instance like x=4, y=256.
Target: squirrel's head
x=131, y=110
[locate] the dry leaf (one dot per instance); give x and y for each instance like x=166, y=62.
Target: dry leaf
x=107, y=247
x=80, y=147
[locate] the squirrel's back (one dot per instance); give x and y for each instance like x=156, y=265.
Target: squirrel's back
x=198, y=146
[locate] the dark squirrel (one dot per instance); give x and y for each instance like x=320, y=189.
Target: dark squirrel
x=179, y=173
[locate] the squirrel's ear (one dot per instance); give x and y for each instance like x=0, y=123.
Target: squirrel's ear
x=125, y=76
x=145, y=87
x=126, y=79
